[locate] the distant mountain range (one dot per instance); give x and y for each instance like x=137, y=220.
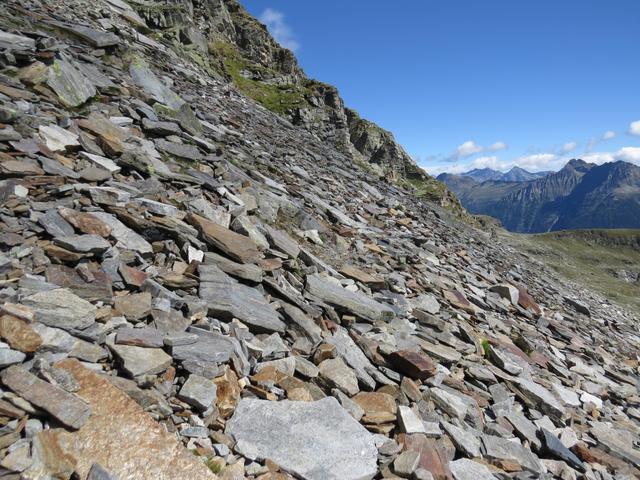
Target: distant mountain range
x=581, y=195
x=516, y=174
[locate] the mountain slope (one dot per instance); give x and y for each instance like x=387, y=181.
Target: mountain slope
x=192, y=287
x=242, y=51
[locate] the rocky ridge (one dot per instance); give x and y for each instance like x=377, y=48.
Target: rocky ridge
x=194, y=287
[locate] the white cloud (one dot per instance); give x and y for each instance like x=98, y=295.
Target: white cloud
x=488, y=162
x=608, y=135
x=629, y=154
x=599, y=157
x=567, y=147
x=497, y=146
x=634, y=128
x=274, y=20
x=468, y=148
x=539, y=161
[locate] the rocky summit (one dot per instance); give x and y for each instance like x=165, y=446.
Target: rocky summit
x=199, y=281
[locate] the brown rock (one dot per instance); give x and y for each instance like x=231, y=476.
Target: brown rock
x=236, y=246
x=122, y=437
x=85, y=222
x=65, y=407
x=50, y=459
x=228, y=393
x=134, y=306
x=413, y=364
x=110, y=136
x=19, y=334
x=378, y=407
x=362, y=276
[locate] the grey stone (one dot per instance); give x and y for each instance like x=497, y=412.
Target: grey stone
x=525, y=428
x=181, y=150
x=354, y=302
x=450, y=403
x=198, y=392
x=337, y=375
x=61, y=308
x=142, y=361
x=101, y=162
x=353, y=356
x=87, y=243
x=508, y=292
x=210, y=348
x=18, y=42
x=68, y=82
x=228, y=299
x=313, y=440
x=498, y=448
x=617, y=442
x=465, y=440
x=579, y=306
x=543, y=398
x=406, y=463
x=555, y=448
x=409, y=421
x=282, y=241
x=243, y=271
x=126, y=238
x=108, y=196
x=94, y=37
x=58, y=139
x=143, y=76
x=10, y=357
x=425, y=302
x=349, y=405
x=465, y=469
x=160, y=128
x=157, y=207
x=55, y=225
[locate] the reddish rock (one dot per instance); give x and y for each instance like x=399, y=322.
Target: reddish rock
x=413, y=364
x=85, y=222
x=526, y=301
x=433, y=456
x=458, y=300
x=122, y=437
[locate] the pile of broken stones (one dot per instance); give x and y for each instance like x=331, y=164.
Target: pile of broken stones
x=190, y=287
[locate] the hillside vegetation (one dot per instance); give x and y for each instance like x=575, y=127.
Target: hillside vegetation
x=605, y=260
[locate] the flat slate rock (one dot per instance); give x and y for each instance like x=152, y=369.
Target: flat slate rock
x=313, y=440
x=354, y=302
x=65, y=407
x=142, y=361
x=232, y=244
x=61, y=308
x=68, y=82
x=465, y=469
x=228, y=299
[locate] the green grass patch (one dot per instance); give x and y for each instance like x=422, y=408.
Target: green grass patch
x=280, y=99
x=592, y=258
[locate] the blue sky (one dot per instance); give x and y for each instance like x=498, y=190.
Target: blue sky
x=474, y=83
